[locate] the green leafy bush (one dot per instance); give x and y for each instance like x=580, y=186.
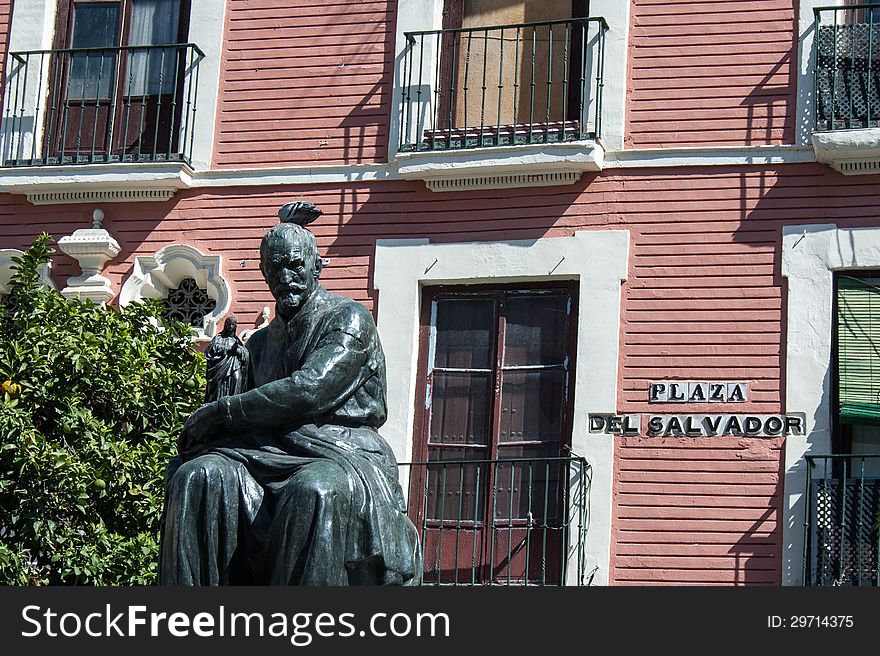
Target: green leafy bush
x=91, y=402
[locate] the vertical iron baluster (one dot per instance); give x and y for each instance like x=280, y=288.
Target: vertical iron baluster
x=549, y=79
x=404, y=111
x=453, y=87
x=195, y=94
x=562, y=516
x=510, y=522
x=37, y=108
x=142, y=126
x=808, y=510
x=476, y=530
x=62, y=146
x=869, y=71
x=529, y=523
x=483, y=97
x=435, y=113
x=111, y=117
x=544, y=523
x=834, y=76
x=419, y=86
x=442, y=521
x=600, y=81
x=82, y=107
x=565, y=66
x=843, y=505
x=123, y=152
x=183, y=132
x=12, y=81
x=467, y=67
x=515, y=115
x=532, y=87
x=500, y=87
x=97, y=107
x=458, y=519
x=20, y=131
x=407, y=72
x=853, y=86
x=175, y=81
x=581, y=117
x=159, y=95
x=861, y=521
x=425, y=509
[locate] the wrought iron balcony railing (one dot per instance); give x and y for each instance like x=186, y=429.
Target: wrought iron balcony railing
x=847, y=73
x=841, y=540
x=503, y=85
x=100, y=105
x=501, y=522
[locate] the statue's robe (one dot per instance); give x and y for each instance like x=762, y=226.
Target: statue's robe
x=300, y=488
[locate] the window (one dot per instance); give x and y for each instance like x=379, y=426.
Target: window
x=118, y=75
x=189, y=303
x=507, y=73
x=495, y=432
x=857, y=363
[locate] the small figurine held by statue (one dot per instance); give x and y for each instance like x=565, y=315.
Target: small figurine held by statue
x=227, y=363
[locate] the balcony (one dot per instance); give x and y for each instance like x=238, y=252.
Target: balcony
x=483, y=104
x=841, y=541
x=501, y=522
x=847, y=88
x=92, y=114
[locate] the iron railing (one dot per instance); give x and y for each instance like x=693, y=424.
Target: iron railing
x=503, y=85
x=101, y=105
x=841, y=541
x=847, y=73
x=520, y=521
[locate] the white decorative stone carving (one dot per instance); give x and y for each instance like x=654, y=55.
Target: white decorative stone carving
x=6, y=265
x=92, y=248
x=264, y=321
x=154, y=276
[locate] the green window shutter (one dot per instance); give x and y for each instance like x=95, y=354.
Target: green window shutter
x=858, y=350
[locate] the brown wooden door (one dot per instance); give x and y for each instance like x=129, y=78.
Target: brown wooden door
x=116, y=78
x=490, y=503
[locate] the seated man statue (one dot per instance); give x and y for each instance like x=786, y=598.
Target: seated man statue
x=289, y=482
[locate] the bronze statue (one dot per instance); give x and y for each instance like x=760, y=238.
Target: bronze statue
x=227, y=363
x=289, y=482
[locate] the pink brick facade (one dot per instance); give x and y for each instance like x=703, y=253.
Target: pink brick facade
x=304, y=83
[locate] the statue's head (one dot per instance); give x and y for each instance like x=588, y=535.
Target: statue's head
x=289, y=258
x=230, y=327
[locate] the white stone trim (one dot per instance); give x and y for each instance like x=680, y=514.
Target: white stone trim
x=33, y=28
x=98, y=183
x=810, y=255
x=851, y=152
x=6, y=264
x=153, y=276
x=423, y=15
x=502, y=166
x=597, y=260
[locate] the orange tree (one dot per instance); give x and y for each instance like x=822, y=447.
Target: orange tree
x=91, y=402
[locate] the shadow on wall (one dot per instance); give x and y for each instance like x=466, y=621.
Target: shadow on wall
x=407, y=210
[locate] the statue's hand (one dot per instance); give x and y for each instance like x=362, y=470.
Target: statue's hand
x=201, y=427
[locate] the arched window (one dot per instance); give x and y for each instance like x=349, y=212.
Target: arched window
x=188, y=282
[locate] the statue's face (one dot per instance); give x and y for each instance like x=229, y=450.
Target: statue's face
x=290, y=272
